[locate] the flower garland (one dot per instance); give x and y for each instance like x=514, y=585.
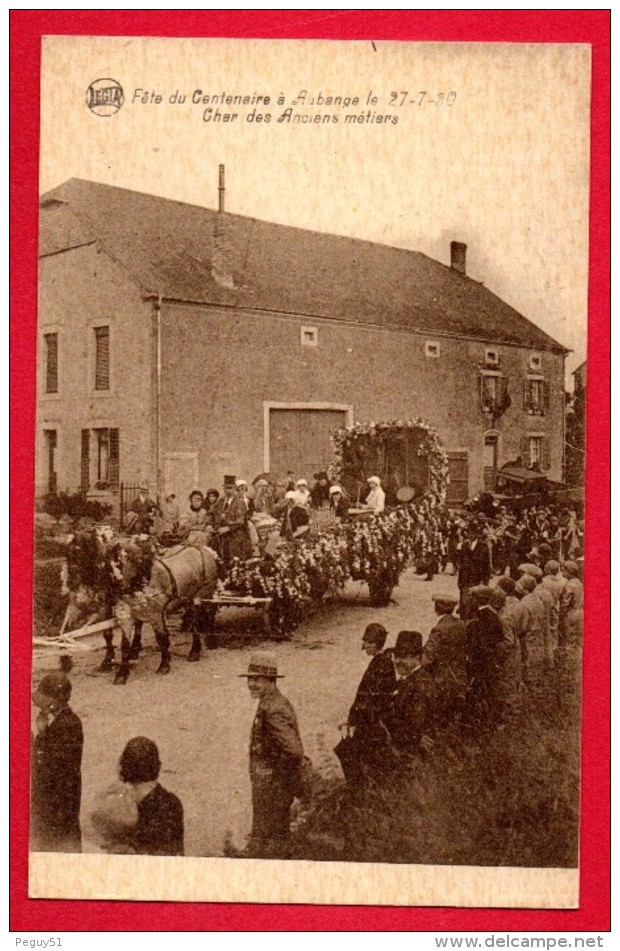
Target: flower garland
x=361, y=549
x=429, y=447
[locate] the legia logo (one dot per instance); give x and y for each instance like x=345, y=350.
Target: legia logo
x=104, y=97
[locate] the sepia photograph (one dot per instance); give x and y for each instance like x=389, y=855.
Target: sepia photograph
x=309, y=471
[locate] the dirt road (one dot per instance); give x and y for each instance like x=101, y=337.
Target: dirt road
x=200, y=714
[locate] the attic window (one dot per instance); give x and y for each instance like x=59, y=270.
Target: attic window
x=309, y=337
x=491, y=357
x=535, y=362
x=431, y=348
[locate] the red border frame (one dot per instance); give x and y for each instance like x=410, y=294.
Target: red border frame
x=549, y=26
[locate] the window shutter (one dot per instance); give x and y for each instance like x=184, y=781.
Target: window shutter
x=114, y=458
x=545, y=461
x=51, y=346
x=526, y=395
x=545, y=396
x=102, y=358
x=481, y=388
x=458, y=484
x=525, y=451
x=85, y=460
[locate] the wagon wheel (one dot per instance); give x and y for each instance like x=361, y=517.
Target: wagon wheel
x=380, y=588
x=318, y=586
x=282, y=620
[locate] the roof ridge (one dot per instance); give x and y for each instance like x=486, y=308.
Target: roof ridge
x=166, y=247
x=249, y=218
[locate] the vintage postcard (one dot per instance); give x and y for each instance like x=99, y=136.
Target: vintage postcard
x=310, y=441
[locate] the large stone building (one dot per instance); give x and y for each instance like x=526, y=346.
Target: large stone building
x=178, y=343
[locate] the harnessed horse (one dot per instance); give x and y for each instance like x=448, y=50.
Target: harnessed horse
x=132, y=585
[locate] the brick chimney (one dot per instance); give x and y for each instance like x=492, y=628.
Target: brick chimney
x=458, y=254
x=221, y=266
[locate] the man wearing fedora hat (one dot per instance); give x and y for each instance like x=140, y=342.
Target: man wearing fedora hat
x=56, y=769
x=408, y=720
x=276, y=755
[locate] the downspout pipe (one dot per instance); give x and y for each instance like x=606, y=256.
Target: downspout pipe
x=158, y=460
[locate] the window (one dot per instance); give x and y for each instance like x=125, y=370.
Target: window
x=536, y=452
x=102, y=358
x=535, y=362
x=491, y=357
x=432, y=348
x=51, y=363
x=309, y=337
x=535, y=396
x=494, y=396
x=100, y=459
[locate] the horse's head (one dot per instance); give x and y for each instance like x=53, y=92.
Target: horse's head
x=129, y=563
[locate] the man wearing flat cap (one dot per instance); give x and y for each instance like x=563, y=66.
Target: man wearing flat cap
x=530, y=628
x=56, y=769
x=276, y=755
x=544, y=610
x=408, y=720
x=444, y=657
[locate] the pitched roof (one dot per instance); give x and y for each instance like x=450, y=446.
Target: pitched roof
x=168, y=248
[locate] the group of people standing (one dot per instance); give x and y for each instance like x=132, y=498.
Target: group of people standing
x=474, y=668
x=512, y=534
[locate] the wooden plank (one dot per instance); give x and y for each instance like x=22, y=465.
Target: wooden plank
x=69, y=636
x=234, y=602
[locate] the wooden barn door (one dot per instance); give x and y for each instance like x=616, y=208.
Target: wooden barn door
x=299, y=439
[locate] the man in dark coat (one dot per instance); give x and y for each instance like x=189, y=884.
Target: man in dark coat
x=444, y=659
x=474, y=566
x=485, y=657
x=409, y=720
x=364, y=736
x=276, y=755
x=56, y=769
x=230, y=518
x=159, y=829
x=378, y=681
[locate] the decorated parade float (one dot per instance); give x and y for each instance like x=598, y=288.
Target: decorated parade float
x=408, y=458
x=118, y=581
